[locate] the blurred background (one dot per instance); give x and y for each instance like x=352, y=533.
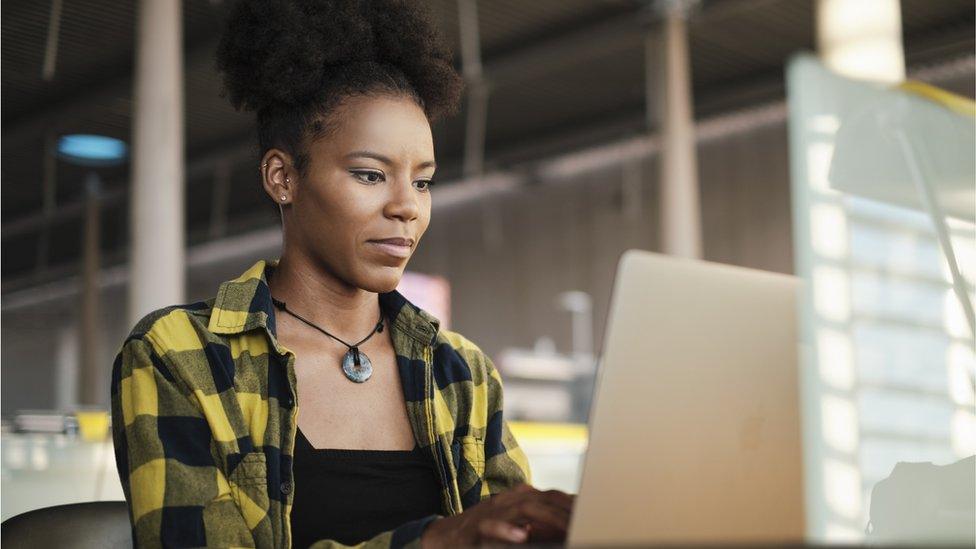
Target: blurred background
x=695, y=128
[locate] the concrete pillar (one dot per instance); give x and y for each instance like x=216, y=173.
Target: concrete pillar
x=51, y=47
x=157, y=248
x=477, y=117
x=91, y=370
x=49, y=183
x=477, y=113
x=861, y=38
x=67, y=366
x=681, y=232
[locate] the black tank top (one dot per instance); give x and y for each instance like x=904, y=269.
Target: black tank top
x=352, y=495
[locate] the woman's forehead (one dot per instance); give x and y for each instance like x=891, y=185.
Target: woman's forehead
x=393, y=127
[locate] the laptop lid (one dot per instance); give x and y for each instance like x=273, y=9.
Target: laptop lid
x=694, y=429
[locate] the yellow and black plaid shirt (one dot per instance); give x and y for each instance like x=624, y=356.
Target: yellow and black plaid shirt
x=204, y=418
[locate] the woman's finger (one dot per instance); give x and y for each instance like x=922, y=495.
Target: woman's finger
x=559, y=499
x=499, y=530
x=537, y=510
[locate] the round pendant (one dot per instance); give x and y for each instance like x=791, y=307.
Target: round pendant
x=356, y=373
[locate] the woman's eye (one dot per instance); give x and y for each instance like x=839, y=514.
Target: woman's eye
x=423, y=184
x=369, y=176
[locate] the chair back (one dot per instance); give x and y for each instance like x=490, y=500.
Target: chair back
x=94, y=524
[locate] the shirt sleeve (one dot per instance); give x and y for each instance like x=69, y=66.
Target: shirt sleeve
x=176, y=494
x=505, y=463
x=406, y=536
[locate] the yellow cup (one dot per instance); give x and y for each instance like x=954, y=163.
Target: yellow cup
x=92, y=424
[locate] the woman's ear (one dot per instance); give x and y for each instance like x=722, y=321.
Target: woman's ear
x=277, y=176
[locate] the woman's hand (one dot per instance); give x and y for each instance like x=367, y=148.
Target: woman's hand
x=516, y=516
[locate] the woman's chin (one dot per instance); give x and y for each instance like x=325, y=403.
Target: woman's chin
x=381, y=280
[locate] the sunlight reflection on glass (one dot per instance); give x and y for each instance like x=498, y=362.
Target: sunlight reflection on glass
x=965, y=249
x=831, y=293
x=839, y=423
x=829, y=230
x=818, y=165
x=961, y=362
x=836, y=358
x=842, y=484
x=954, y=318
x=826, y=124
x=843, y=534
x=964, y=432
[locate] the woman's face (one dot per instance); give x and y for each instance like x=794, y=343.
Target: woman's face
x=364, y=204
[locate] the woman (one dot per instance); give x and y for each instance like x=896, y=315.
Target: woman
x=309, y=402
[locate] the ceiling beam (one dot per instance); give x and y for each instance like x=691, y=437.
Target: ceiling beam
x=76, y=103
x=201, y=166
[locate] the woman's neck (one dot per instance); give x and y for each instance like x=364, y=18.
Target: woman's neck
x=322, y=298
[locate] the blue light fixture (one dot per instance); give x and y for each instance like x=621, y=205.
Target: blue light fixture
x=92, y=150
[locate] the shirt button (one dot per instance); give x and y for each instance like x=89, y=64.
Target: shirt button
x=286, y=487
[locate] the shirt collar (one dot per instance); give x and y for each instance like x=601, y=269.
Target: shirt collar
x=244, y=304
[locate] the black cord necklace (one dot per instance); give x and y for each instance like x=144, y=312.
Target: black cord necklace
x=355, y=364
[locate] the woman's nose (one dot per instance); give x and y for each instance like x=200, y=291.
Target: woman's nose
x=403, y=202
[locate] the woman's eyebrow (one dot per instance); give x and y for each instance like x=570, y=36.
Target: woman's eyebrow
x=386, y=160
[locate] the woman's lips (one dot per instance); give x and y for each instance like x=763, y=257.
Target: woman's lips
x=396, y=247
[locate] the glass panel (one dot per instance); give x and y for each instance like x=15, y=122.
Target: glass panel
x=884, y=203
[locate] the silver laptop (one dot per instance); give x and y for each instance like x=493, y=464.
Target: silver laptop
x=694, y=429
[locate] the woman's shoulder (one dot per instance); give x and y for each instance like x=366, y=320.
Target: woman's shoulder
x=463, y=358
x=173, y=322
x=161, y=335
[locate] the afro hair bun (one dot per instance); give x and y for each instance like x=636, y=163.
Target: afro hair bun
x=282, y=54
